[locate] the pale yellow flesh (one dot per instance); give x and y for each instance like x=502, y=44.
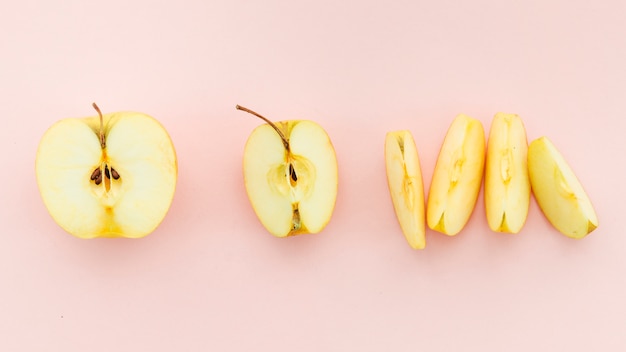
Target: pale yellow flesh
x=507, y=187
x=406, y=187
x=286, y=207
x=139, y=149
x=559, y=194
x=457, y=177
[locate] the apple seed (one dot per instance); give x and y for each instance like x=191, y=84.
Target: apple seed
x=95, y=174
x=98, y=179
x=112, y=173
x=292, y=173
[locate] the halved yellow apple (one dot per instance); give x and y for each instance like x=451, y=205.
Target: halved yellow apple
x=406, y=187
x=507, y=188
x=290, y=174
x=457, y=177
x=112, y=175
x=559, y=194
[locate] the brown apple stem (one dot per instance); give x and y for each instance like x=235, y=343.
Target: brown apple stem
x=101, y=133
x=280, y=133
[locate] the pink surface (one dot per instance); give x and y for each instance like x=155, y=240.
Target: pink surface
x=211, y=278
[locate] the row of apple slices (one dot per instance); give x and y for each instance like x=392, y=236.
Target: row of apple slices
x=511, y=169
x=114, y=175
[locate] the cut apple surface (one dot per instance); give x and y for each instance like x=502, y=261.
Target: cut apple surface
x=112, y=175
x=290, y=175
x=559, y=194
x=457, y=177
x=406, y=187
x=507, y=187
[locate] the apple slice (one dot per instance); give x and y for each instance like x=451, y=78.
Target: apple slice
x=507, y=187
x=559, y=194
x=457, y=177
x=290, y=174
x=406, y=187
x=107, y=176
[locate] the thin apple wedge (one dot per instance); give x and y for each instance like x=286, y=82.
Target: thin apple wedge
x=457, y=177
x=559, y=194
x=507, y=187
x=290, y=174
x=406, y=187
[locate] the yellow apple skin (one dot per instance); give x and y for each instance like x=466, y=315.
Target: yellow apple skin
x=139, y=149
x=404, y=177
x=558, y=191
x=507, y=187
x=457, y=177
x=288, y=207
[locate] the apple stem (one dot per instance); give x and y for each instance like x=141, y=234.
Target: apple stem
x=101, y=133
x=280, y=133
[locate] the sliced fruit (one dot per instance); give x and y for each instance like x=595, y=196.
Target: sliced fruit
x=290, y=174
x=559, y=194
x=406, y=187
x=457, y=177
x=112, y=175
x=507, y=187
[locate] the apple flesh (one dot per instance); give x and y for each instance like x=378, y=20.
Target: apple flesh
x=406, y=187
x=558, y=191
x=457, y=177
x=107, y=176
x=507, y=187
x=290, y=175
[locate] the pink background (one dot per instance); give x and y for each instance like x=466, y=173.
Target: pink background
x=211, y=278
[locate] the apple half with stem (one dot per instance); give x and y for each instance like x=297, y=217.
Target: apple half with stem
x=112, y=175
x=558, y=191
x=457, y=177
x=507, y=187
x=404, y=177
x=290, y=175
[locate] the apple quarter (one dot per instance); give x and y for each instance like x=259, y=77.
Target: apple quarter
x=457, y=178
x=558, y=191
x=507, y=186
